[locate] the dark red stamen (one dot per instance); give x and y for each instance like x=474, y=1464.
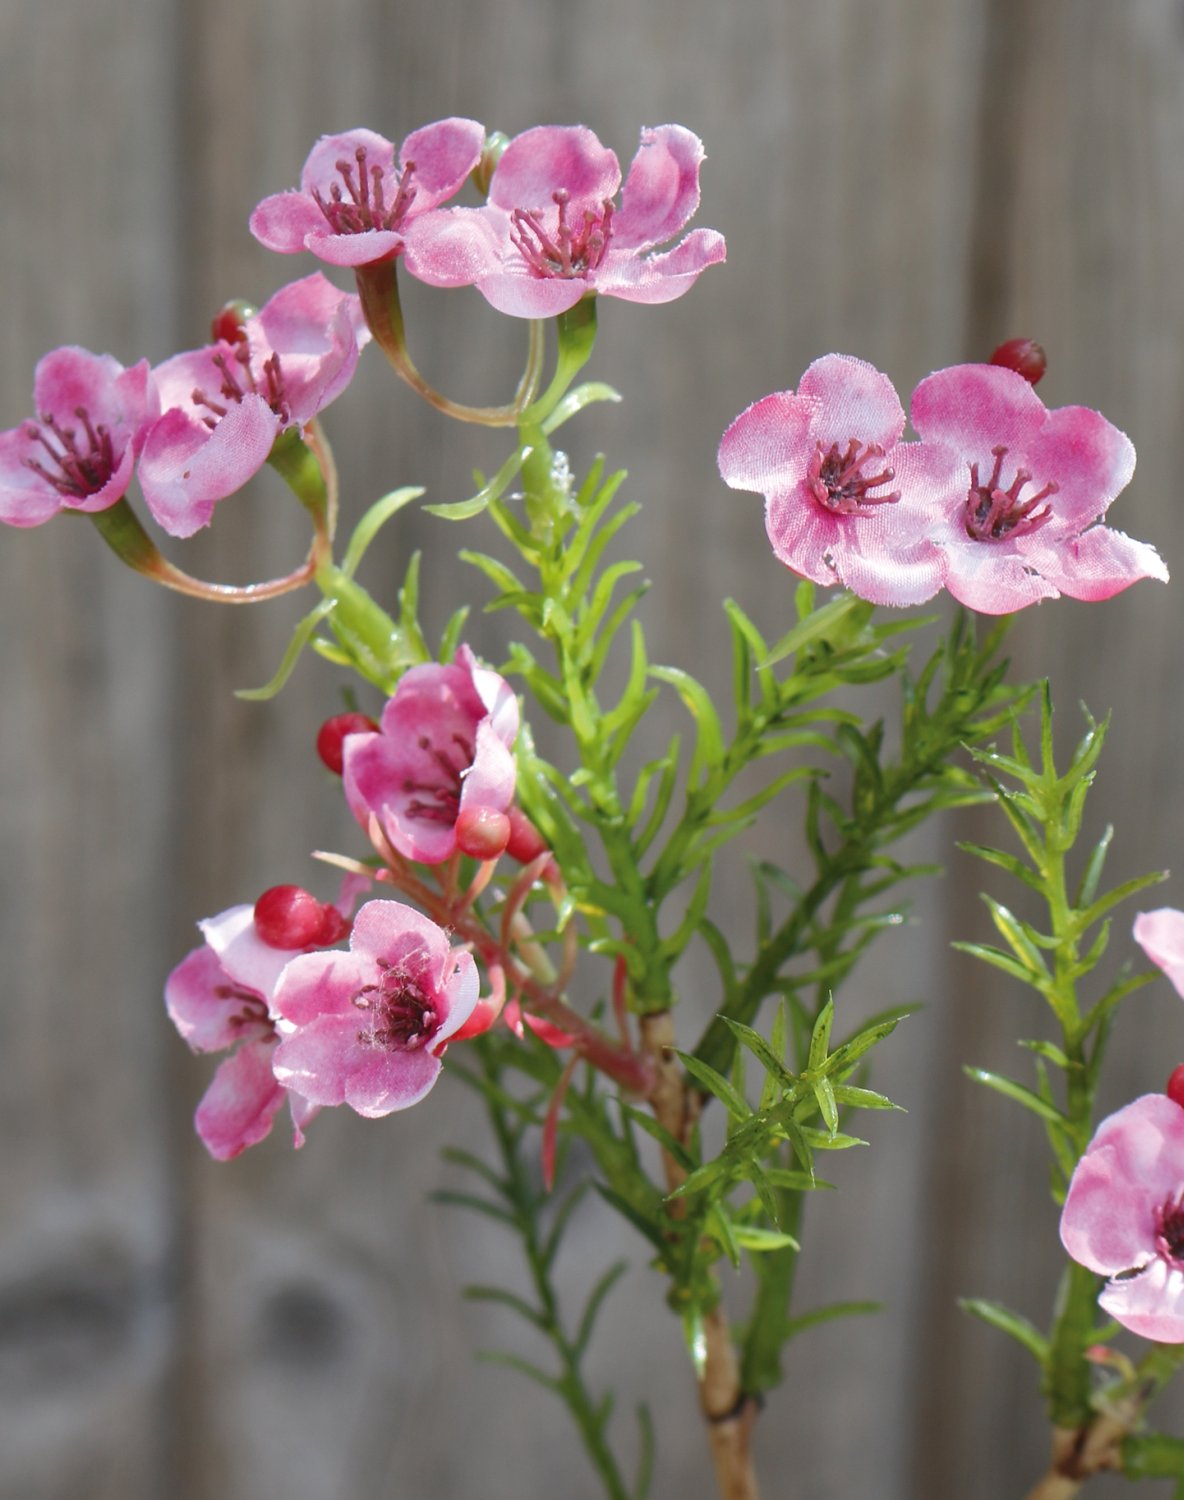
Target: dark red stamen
x=238, y=383
x=366, y=207
x=75, y=469
x=444, y=794
x=837, y=481
x=404, y=1018
x=253, y=1008
x=1169, y=1227
x=569, y=251
x=993, y=512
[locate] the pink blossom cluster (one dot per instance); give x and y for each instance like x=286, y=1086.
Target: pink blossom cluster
x=315, y=1024
x=999, y=500
x=199, y=425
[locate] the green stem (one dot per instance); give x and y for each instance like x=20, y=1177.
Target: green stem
x=576, y=332
x=589, y=1415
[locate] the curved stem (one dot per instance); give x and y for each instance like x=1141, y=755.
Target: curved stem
x=378, y=288
x=120, y=528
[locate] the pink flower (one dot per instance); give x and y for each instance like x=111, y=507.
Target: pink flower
x=79, y=450
x=370, y=1024
x=355, y=201
x=1016, y=521
x=1160, y=934
x=225, y=405
x=550, y=231
x=444, y=747
x=1124, y=1216
x=844, y=497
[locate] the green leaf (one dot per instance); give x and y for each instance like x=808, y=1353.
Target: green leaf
x=752, y=1237
x=856, y=1098
x=761, y=1050
x=506, y=1299
x=719, y=1225
x=709, y=741
x=477, y=1205
x=372, y=522
x=827, y=1314
x=1012, y=1090
x=300, y=638
x=820, y=1037
x=462, y=510
x=645, y=1461
x=716, y=1084
x=816, y=625
x=524, y=1367
x=576, y=400
x=1011, y=1323
x=594, y=1303
x=660, y=1134
x=825, y=1095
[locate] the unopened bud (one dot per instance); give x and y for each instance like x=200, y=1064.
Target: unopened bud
x=1175, y=1088
x=289, y=917
x=482, y=832
x=1024, y=356
x=526, y=842
x=332, y=733
x=230, y=325
x=491, y=152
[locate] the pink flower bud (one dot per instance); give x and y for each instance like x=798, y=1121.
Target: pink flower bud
x=332, y=733
x=288, y=916
x=1024, y=356
x=482, y=832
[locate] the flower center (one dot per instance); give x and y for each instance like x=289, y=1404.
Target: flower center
x=239, y=380
x=993, y=512
x=252, y=1008
x=365, y=207
x=572, y=250
x=440, y=801
x=404, y=1018
x=1169, y=1228
x=838, y=483
x=79, y=464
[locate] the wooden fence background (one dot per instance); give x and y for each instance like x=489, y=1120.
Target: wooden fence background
x=908, y=180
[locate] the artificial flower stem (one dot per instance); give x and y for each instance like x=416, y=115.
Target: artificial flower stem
x=576, y=334
x=378, y=287
x=374, y=640
x=120, y=528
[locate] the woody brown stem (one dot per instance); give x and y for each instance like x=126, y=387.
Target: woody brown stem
x=729, y=1413
x=1076, y=1454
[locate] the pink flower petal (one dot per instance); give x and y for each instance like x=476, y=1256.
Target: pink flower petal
x=1150, y=1304
x=325, y=1063
x=456, y=246
x=769, y=444
x=444, y=154
x=854, y=400
x=660, y=278
x=1088, y=457
x=1101, y=563
x=548, y=158
x=185, y=469
x=1160, y=934
x=285, y=222
x=973, y=408
x=661, y=192
x=240, y=1104
x=208, y=1008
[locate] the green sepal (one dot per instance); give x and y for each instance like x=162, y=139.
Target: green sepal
x=1012, y=1323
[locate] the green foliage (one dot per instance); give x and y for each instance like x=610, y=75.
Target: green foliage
x=1045, y=809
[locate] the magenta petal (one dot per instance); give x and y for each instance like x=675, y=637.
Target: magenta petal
x=973, y=408
x=459, y=996
x=455, y=246
x=403, y=937
x=320, y=166
x=802, y=536
x=241, y=1102
x=354, y=249
x=854, y=401
x=326, y=1063
x=660, y=278
x=185, y=469
x=207, y=1008
x=444, y=154
x=768, y=446
x=321, y=983
x=661, y=192
x=548, y=158
x=1090, y=460
x=490, y=780
x=994, y=582
x=1133, y=1165
x=1101, y=563
x=1160, y=934
x=518, y=294
x=244, y=956
x=285, y=222
x=495, y=693
x=1150, y=1304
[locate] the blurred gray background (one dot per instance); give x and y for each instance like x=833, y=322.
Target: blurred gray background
x=911, y=181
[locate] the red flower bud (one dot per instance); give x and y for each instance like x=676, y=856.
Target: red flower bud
x=526, y=842
x=332, y=733
x=229, y=325
x=1024, y=356
x=1175, y=1088
x=482, y=832
x=288, y=916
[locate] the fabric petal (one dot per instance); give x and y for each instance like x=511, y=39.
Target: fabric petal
x=854, y=401
x=1150, y=1304
x=974, y=408
x=211, y=1012
x=1101, y=563
x=443, y=154
x=660, y=278
x=769, y=445
x=549, y=158
x=661, y=192
x=237, y=1109
x=1160, y=934
x=185, y=469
